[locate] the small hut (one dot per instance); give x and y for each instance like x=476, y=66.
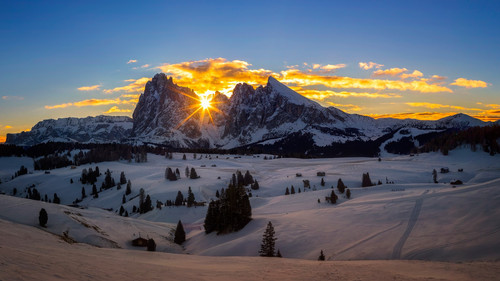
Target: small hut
x=140, y=242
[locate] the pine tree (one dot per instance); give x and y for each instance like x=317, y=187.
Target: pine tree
x=268, y=242
x=180, y=235
x=43, y=217
x=123, y=179
x=121, y=210
x=193, y=174
x=348, y=193
x=287, y=192
x=321, y=256
x=186, y=172
x=322, y=182
x=177, y=173
x=184, y=157
x=56, y=199
x=179, y=198
x=255, y=185
x=129, y=188
x=292, y=190
x=217, y=194
x=146, y=205
x=151, y=245
x=434, y=176
x=190, y=198
x=71, y=181
x=366, y=181
x=142, y=195
x=341, y=186
x=278, y=254
x=248, y=179
x=83, y=193
x=94, y=191
x=124, y=200
x=126, y=213
x=333, y=197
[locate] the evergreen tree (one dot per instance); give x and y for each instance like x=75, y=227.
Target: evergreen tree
x=341, y=186
x=124, y=200
x=348, y=193
x=193, y=174
x=179, y=198
x=186, y=172
x=108, y=181
x=126, y=213
x=147, y=205
x=170, y=175
x=434, y=176
x=333, y=197
x=184, y=157
x=141, y=199
x=94, y=191
x=321, y=256
x=292, y=190
x=190, y=198
x=322, y=182
x=287, y=192
x=151, y=245
x=255, y=185
x=268, y=242
x=56, y=199
x=177, y=173
x=123, y=179
x=248, y=179
x=217, y=194
x=121, y=210
x=129, y=188
x=43, y=217
x=71, y=181
x=180, y=235
x=83, y=193
x=118, y=186
x=366, y=181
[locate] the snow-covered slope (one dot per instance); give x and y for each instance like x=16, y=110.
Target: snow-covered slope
x=99, y=129
x=413, y=218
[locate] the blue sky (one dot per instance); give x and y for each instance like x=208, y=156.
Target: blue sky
x=49, y=49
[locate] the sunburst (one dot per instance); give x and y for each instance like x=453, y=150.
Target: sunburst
x=204, y=103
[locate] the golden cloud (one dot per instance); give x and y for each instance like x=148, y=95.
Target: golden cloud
x=298, y=78
x=136, y=85
x=115, y=109
x=414, y=115
x=89, y=102
x=89, y=88
x=437, y=106
x=210, y=75
x=131, y=61
x=348, y=107
x=7, y=127
x=389, y=72
x=462, y=82
x=415, y=74
x=64, y=105
x=321, y=95
x=369, y=65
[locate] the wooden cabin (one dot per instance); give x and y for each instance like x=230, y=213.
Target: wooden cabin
x=140, y=242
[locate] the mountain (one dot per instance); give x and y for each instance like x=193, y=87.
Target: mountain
x=271, y=117
x=99, y=129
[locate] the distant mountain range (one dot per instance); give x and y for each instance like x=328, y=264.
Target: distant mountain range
x=268, y=116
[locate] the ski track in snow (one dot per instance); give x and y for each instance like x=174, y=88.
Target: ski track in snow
x=396, y=252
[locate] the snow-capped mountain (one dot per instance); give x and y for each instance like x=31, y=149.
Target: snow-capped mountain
x=171, y=115
x=99, y=129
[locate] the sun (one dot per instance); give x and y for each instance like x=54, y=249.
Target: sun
x=204, y=104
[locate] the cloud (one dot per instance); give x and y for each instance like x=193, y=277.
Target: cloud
x=298, y=78
x=438, y=106
x=12, y=98
x=89, y=88
x=389, y=72
x=462, y=82
x=64, y=105
x=136, y=85
x=321, y=95
x=7, y=127
x=414, y=115
x=145, y=65
x=83, y=103
x=3, y=139
x=218, y=74
x=369, y=65
x=348, y=107
x=115, y=109
x=131, y=61
x=415, y=74
x=328, y=67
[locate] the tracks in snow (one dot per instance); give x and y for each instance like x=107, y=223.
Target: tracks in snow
x=396, y=252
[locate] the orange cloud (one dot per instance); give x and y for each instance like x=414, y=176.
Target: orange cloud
x=414, y=115
x=437, y=106
x=210, y=75
x=136, y=85
x=462, y=82
x=369, y=65
x=415, y=74
x=295, y=77
x=321, y=95
x=64, y=105
x=7, y=127
x=89, y=88
x=348, y=107
x=389, y=72
x=3, y=139
x=115, y=109
x=131, y=61
x=89, y=102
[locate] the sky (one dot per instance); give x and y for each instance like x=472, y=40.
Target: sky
x=401, y=59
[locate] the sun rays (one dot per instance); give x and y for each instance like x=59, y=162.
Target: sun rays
x=204, y=103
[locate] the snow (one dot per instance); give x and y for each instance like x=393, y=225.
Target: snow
x=413, y=218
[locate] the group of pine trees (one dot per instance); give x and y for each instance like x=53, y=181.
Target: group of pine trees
x=90, y=176
x=231, y=212
x=173, y=176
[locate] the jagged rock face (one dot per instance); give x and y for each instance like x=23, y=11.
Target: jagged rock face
x=99, y=129
x=273, y=108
